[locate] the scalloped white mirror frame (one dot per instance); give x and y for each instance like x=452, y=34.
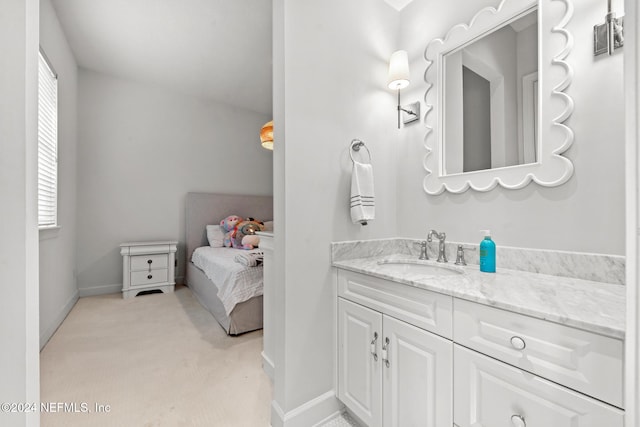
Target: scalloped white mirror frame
x=555, y=43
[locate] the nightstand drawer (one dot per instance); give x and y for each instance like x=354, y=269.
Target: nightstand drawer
x=584, y=361
x=139, y=278
x=146, y=262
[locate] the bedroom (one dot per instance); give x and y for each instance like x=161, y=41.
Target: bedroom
x=158, y=116
x=146, y=114
x=334, y=56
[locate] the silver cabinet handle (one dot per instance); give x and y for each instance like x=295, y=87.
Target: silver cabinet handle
x=385, y=347
x=518, y=343
x=518, y=421
x=373, y=346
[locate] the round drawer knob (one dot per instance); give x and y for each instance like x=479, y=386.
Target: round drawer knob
x=149, y=261
x=518, y=343
x=518, y=421
x=149, y=276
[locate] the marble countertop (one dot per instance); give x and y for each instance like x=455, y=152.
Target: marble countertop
x=592, y=306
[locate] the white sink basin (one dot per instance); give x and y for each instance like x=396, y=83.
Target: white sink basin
x=418, y=267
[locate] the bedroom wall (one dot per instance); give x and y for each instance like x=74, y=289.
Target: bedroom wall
x=58, y=288
x=587, y=213
x=19, y=356
x=330, y=83
x=141, y=149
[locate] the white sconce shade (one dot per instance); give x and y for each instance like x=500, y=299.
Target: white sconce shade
x=399, y=79
x=399, y=70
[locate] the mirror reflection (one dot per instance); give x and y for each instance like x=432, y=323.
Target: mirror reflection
x=491, y=99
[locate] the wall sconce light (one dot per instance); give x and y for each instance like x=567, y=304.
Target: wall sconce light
x=609, y=36
x=266, y=135
x=399, y=79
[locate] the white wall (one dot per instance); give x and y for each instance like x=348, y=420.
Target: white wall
x=19, y=355
x=140, y=150
x=585, y=214
x=58, y=289
x=330, y=72
x=632, y=122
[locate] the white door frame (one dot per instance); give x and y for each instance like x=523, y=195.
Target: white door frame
x=632, y=124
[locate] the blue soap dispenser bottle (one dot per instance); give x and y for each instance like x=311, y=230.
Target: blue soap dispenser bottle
x=487, y=253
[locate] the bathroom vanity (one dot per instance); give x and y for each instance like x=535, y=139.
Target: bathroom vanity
x=429, y=344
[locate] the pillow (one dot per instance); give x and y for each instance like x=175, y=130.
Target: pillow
x=215, y=236
x=268, y=226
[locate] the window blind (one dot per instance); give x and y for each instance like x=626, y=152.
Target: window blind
x=47, y=145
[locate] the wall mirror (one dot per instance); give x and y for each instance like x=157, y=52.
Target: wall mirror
x=496, y=106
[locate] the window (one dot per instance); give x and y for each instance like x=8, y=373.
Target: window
x=47, y=145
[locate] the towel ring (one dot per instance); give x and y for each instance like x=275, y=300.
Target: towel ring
x=355, y=145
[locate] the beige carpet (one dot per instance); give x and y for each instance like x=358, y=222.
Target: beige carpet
x=156, y=360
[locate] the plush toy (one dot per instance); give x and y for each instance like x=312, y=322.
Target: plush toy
x=251, y=241
x=245, y=237
x=229, y=226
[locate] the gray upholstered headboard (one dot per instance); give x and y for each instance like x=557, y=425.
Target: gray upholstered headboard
x=203, y=209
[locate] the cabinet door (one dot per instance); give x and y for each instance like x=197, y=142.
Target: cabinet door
x=489, y=393
x=359, y=361
x=418, y=378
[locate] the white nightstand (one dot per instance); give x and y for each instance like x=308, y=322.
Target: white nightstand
x=147, y=266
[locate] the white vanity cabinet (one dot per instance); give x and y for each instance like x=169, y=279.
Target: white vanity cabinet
x=412, y=357
x=489, y=393
x=391, y=372
x=544, y=363
x=584, y=361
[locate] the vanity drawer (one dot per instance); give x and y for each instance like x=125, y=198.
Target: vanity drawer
x=584, y=361
x=425, y=309
x=488, y=393
x=140, y=278
x=146, y=262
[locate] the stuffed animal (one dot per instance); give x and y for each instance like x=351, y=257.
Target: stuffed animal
x=251, y=241
x=245, y=237
x=229, y=226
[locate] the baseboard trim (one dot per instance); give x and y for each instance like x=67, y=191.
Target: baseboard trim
x=277, y=415
x=268, y=366
x=100, y=290
x=312, y=413
x=46, y=335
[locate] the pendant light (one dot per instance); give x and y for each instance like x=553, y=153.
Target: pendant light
x=266, y=135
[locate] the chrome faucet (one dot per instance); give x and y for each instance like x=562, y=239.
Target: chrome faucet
x=460, y=254
x=442, y=256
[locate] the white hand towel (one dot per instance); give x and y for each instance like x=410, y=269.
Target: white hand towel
x=363, y=207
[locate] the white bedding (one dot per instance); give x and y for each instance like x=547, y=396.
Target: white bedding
x=236, y=283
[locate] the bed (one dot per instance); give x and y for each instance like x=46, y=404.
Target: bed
x=204, y=209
